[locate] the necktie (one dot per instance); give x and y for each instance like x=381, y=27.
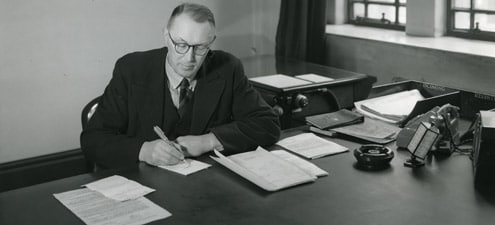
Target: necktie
x=185, y=94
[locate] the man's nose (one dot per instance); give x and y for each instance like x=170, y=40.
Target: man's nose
x=190, y=55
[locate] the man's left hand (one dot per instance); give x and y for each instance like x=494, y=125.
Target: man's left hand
x=198, y=145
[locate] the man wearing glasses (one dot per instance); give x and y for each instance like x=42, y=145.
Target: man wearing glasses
x=197, y=98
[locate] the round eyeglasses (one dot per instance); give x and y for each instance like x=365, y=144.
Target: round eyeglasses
x=183, y=48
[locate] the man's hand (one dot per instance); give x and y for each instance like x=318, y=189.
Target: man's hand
x=198, y=145
x=159, y=153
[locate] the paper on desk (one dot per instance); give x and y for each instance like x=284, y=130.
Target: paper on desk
x=310, y=146
x=265, y=169
x=280, y=81
x=119, y=188
x=95, y=209
x=314, y=78
x=301, y=163
x=191, y=166
x=488, y=118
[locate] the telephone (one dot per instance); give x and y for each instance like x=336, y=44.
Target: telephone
x=445, y=118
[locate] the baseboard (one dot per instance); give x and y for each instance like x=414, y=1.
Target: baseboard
x=26, y=172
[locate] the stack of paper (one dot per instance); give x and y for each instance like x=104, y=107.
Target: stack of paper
x=372, y=130
x=270, y=171
x=112, y=200
x=391, y=108
x=310, y=146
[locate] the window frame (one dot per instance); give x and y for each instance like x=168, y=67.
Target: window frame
x=375, y=22
x=472, y=33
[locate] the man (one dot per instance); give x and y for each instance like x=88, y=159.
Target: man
x=200, y=98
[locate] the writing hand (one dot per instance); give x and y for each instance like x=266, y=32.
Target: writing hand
x=160, y=153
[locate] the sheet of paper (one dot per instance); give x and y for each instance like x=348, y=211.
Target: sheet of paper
x=192, y=166
x=95, y=209
x=310, y=146
x=119, y=188
x=301, y=163
x=265, y=169
x=488, y=118
x=314, y=78
x=280, y=81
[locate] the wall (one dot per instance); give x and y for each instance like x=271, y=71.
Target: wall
x=387, y=60
x=56, y=55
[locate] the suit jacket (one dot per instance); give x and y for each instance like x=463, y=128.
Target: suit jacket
x=133, y=102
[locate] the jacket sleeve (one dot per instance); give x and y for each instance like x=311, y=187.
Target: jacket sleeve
x=254, y=122
x=105, y=141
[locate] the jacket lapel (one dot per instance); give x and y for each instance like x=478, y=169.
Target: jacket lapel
x=206, y=97
x=151, y=107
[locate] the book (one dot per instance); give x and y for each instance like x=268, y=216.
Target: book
x=339, y=118
x=270, y=171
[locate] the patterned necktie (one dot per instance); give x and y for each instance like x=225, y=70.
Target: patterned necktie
x=184, y=96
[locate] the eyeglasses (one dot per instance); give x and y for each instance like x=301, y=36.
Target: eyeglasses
x=183, y=48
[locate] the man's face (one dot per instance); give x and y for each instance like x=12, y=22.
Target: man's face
x=185, y=30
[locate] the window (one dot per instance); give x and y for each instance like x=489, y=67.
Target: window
x=378, y=13
x=472, y=19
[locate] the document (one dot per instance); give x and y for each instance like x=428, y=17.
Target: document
x=191, y=166
x=372, y=130
x=314, y=78
x=301, y=163
x=280, y=81
x=94, y=208
x=119, y=188
x=265, y=169
x=311, y=146
x=391, y=108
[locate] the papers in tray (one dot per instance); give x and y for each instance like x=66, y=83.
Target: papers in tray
x=391, y=108
x=270, y=171
x=372, y=130
x=310, y=146
x=339, y=118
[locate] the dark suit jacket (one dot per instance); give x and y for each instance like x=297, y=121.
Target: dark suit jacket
x=225, y=104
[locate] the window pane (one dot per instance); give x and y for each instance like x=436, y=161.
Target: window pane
x=358, y=10
x=375, y=12
x=461, y=20
x=402, y=15
x=403, y=1
x=486, y=22
x=484, y=4
x=462, y=4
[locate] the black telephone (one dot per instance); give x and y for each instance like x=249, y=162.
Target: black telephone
x=445, y=118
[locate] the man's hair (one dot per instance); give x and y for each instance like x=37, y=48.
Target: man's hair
x=197, y=12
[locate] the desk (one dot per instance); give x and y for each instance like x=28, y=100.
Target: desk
x=442, y=192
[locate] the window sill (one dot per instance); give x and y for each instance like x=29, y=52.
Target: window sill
x=444, y=43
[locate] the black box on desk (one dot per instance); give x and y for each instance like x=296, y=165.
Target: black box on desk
x=484, y=150
x=295, y=97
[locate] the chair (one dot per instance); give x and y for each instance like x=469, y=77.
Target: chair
x=88, y=111
x=86, y=115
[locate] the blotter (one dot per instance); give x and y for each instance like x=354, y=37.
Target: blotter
x=265, y=169
x=339, y=118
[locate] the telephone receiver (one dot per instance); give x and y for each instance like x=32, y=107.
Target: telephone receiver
x=445, y=118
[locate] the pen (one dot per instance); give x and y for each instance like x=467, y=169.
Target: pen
x=162, y=136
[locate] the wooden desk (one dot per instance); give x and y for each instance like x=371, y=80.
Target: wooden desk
x=442, y=192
